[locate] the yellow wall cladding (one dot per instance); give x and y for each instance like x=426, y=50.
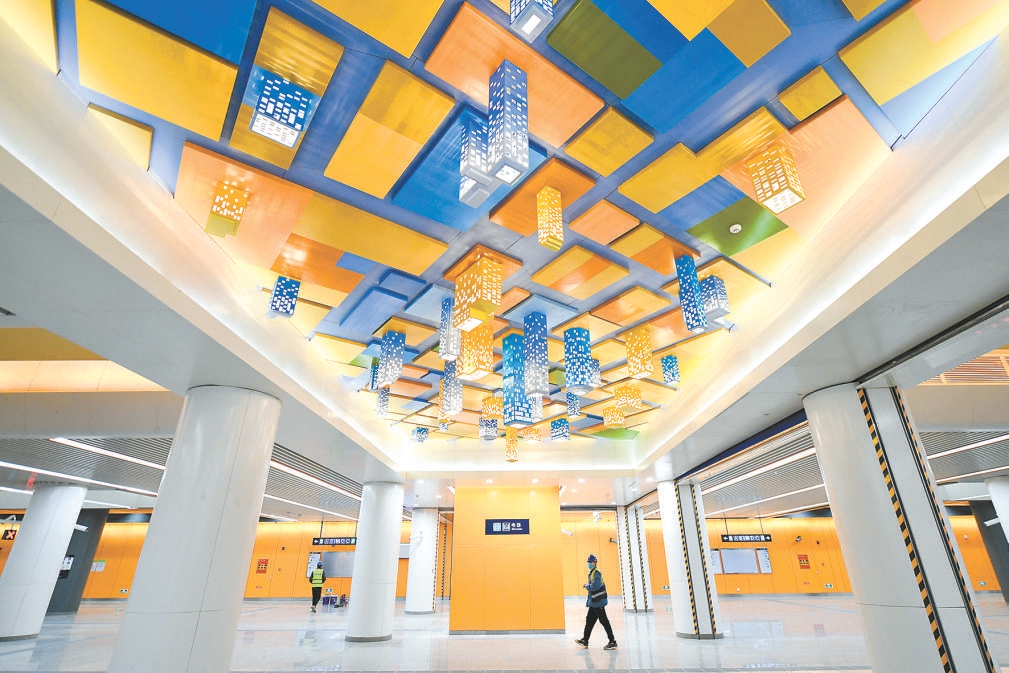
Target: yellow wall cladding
x=608, y=143
x=810, y=94
x=397, y=23
x=397, y=118
x=34, y=21
x=358, y=232
x=166, y=77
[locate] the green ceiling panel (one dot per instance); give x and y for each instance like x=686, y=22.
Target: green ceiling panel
x=616, y=433
x=757, y=224
x=599, y=46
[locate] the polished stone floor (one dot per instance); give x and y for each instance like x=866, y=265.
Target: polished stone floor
x=787, y=634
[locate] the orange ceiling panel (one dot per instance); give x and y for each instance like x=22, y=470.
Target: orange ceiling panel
x=415, y=333
x=474, y=46
x=409, y=388
x=667, y=328
x=604, y=222
x=313, y=262
x=511, y=298
x=835, y=151
x=274, y=207
x=652, y=248
x=518, y=212
x=579, y=273
x=630, y=307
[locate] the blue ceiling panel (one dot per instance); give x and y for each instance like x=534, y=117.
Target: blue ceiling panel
x=644, y=23
x=402, y=283
x=372, y=310
x=428, y=305
x=415, y=405
x=694, y=74
x=432, y=188
x=352, y=262
x=910, y=107
x=713, y=197
x=555, y=312
x=220, y=27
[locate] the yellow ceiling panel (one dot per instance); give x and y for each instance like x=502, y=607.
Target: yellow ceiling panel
x=561, y=266
x=135, y=137
x=492, y=380
x=608, y=142
x=899, y=53
x=609, y=351
x=397, y=23
x=70, y=376
x=631, y=306
x=165, y=77
x=297, y=53
x=690, y=16
x=472, y=398
x=597, y=327
x=307, y=316
x=749, y=29
x=555, y=350
x=337, y=349
x=939, y=18
x=860, y=8
x=395, y=120
x=35, y=343
x=347, y=228
x=415, y=332
x=385, y=152
x=810, y=94
x=35, y=22
x=742, y=140
x=667, y=179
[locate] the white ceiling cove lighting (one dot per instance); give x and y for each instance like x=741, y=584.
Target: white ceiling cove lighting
x=798, y=509
x=70, y=477
x=6, y=489
x=111, y=505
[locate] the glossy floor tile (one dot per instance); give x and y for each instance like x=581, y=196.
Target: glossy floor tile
x=787, y=634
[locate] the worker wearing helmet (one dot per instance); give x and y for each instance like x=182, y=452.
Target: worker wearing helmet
x=596, y=603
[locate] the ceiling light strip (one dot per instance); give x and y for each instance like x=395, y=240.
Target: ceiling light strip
x=317, y=509
x=773, y=497
x=947, y=480
x=106, y=452
x=798, y=509
x=313, y=480
x=70, y=477
x=766, y=468
x=111, y=505
x=7, y=489
x=967, y=447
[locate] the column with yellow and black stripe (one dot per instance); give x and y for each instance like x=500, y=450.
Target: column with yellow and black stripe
x=632, y=550
x=905, y=568
x=691, y=577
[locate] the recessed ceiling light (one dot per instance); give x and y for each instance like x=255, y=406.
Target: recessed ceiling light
x=490, y=481
x=581, y=480
x=420, y=481
x=439, y=497
x=574, y=490
x=735, y=228
x=536, y=480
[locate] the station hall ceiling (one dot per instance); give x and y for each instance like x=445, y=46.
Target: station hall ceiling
x=644, y=116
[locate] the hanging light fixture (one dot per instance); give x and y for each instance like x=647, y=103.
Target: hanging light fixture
x=451, y=391
x=574, y=406
x=560, y=430
x=283, y=109
x=639, y=352
x=390, y=360
x=488, y=429
x=475, y=183
x=443, y=424
x=628, y=397
x=535, y=407
x=714, y=298
x=491, y=407
x=549, y=219
x=517, y=408
x=373, y=375
x=511, y=445
x=694, y=316
x=670, y=370
x=508, y=128
x=530, y=17
x=419, y=435
x=284, y=298
x=382, y=403
x=578, y=373
x=613, y=417
x=477, y=294
x=775, y=178
x=450, y=338
x=532, y=434
x=227, y=209
x=476, y=357
x=536, y=359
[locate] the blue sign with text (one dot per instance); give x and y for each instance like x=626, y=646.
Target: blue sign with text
x=506, y=526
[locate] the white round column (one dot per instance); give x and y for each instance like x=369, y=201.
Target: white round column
x=33, y=566
x=420, y=575
x=373, y=582
x=186, y=597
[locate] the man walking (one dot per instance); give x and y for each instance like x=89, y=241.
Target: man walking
x=596, y=602
x=317, y=579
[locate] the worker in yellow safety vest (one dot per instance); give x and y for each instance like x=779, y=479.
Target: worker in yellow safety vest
x=317, y=579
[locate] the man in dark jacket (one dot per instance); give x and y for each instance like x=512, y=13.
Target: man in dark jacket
x=596, y=602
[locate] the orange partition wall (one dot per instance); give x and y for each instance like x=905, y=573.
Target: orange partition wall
x=589, y=537
x=115, y=560
x=507, y=582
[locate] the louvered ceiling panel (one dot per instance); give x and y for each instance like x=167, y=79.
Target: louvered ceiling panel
x=153, y=449
x=289, y=487
x=42, y=454
x=778, y=448
x=978, y=459
x=938, y=442
x=795, y=502
x=794, y=476
x=284, y=455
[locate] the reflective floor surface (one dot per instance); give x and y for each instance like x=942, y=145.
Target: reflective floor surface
x=789, y=634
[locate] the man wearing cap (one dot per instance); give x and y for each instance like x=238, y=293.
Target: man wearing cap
x=596, y=603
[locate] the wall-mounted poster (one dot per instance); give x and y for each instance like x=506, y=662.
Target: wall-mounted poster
x=716, y=561
x=764, y=560
x=739, y=562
